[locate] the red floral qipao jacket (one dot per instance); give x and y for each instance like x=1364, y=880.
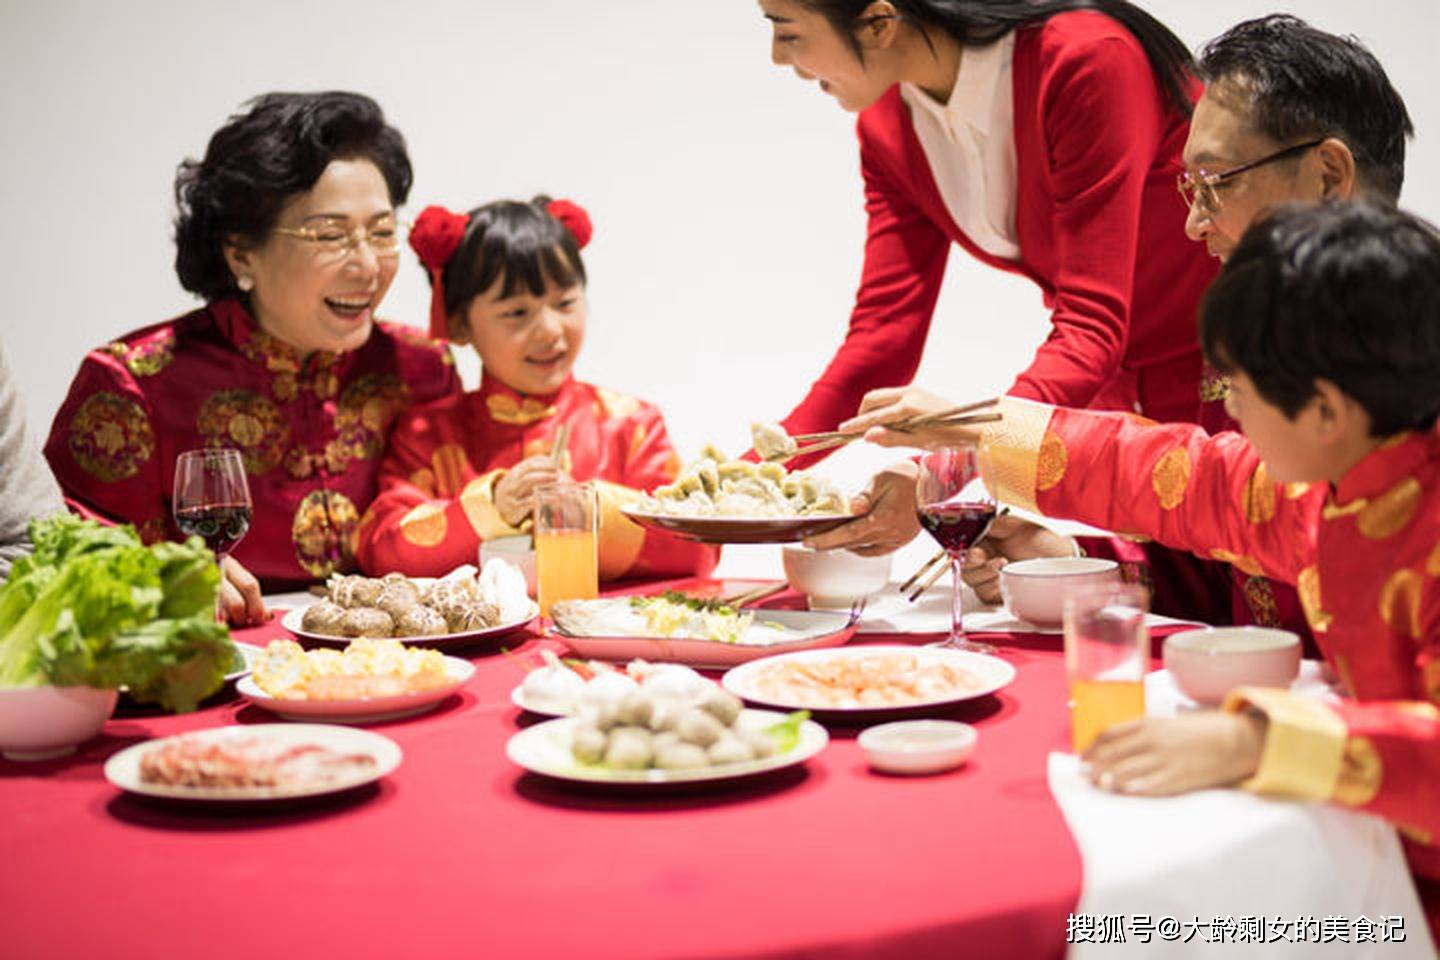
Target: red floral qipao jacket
x=311, y=431
x=437, y=504
x=1365, y=557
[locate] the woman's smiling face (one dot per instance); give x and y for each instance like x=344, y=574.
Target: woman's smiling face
x=805, y=41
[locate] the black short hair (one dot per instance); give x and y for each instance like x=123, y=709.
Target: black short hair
x=514, y=241
x=277, y=147
x=1347, y=292
x=1303, y=83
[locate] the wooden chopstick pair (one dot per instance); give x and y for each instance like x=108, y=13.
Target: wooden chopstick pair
x=557, y=450
x=754, y=595
x=953, y=417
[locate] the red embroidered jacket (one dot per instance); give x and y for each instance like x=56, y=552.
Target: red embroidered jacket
x=1365, y=557
x=311, y=431
x=1100, y=229
x=436, y=501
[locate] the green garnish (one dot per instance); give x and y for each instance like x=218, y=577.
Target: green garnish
x=786, y=733
x=704, y=605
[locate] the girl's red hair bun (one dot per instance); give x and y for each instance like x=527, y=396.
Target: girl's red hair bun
x=575, y=219
x=436, y=236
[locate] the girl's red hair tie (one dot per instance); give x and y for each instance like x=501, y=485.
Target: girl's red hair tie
x=575, y=219
x=435, y=237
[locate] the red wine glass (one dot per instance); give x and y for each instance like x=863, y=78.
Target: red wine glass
x=958, y=518
x=212, y=498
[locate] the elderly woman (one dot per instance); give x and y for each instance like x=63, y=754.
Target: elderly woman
x=287, y=230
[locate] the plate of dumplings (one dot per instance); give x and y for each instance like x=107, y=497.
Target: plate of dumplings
x=455, y=610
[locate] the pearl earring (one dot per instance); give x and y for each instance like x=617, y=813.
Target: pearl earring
x=246, y=283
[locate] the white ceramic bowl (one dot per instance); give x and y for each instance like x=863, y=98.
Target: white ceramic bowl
x=834, y=579
x=918, y=746
x=519, y=551
x=1035, y=590
x=38, y=723
x=1207, y=664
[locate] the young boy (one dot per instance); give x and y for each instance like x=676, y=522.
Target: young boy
x=1327, y=320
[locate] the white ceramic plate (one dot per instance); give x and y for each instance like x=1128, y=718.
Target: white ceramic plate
x=991, y=674
x=293, y=619
x=366, y=709
x=123, y=769
x=814, y=629
x=517, y=697
x=545, y=749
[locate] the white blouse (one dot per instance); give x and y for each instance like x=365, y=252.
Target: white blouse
x=970, y=143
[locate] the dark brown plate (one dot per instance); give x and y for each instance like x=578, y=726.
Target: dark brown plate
x=739, y=529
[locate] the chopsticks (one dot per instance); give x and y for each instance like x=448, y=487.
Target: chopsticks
x=939, y=557
x=557, y=451
x=753, y=595
x=953, y=417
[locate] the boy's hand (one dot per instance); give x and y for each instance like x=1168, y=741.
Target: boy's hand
x=1010, y=538
x=1160, y=756
x=886, y=515
x=514, y=492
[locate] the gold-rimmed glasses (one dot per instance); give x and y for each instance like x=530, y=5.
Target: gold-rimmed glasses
x=333, y=240
x=1199, y=190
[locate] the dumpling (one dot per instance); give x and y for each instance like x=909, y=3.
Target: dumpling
x=323, y=617
x=367, y=622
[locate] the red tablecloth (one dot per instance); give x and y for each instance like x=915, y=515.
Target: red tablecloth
x=460, y=854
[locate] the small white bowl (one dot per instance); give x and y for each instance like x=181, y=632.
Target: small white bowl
x=519, y=551
x=834, y=579
x=918, y=746
x=40, y=723
x=1035, y=590
x=1207, y=664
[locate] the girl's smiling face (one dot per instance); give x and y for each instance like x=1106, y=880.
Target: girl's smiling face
x=528, y=341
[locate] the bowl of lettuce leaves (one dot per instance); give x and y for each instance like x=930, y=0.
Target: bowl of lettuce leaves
x=95, y=609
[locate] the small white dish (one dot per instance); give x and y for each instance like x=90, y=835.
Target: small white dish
x=362, y=710
x=1207, y=664
x=41, y=723
x=1035, y=590
x=834, y=579
x=918, y=746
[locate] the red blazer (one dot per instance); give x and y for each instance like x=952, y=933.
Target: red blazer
x=1099, y=222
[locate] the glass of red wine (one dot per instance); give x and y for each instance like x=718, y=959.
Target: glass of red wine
x=212, y=498
x=958, y=518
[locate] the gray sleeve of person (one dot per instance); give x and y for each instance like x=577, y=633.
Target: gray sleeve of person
x=27, y=488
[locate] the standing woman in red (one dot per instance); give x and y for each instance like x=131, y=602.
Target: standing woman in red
x=1044, y=138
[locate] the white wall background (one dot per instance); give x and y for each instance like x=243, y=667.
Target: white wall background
x=725, y=192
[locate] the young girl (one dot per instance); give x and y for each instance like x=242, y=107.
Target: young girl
x=508, y=279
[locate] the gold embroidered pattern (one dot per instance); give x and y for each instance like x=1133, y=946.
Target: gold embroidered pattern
x=506, y=409
x=1260, y=598
x=1051, y=462
x=323, y=532
x=1259, y=497
x=1400, y=603
x=615, y=405
x=1242, y=563
x=1390, y=512
x=1334, y=511
x=449, y=466
x=244, y=419
x=1170, y=478
x=1432, y=566
x=424, y=526
x=110, y=437
x=1214, y=385
x=366, y=410
x=1294, y=491
x=1307, y=584
x=147, y=358
x=1361, y=772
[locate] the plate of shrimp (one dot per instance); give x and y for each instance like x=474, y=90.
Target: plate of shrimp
x=857, y=681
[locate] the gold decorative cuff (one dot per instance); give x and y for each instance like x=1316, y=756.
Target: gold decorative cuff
x=1304, y=743
x=1010, y=450
x=478, y=502
x=620, y=539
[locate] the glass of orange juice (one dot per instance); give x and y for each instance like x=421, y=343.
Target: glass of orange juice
x=1107, y=651
x=566, y=564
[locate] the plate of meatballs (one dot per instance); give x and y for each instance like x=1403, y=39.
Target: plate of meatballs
x=457, y=609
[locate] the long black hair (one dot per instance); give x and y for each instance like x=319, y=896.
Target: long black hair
x=976, y=23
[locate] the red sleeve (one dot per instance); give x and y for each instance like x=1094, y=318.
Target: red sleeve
x=1103, y=119
x=410, y=528
x=104, y=450
x=905, y=257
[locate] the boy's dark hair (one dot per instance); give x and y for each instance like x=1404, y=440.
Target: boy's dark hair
x=1345, y=292
x=521, y=242
x=1304, y=83
x=278, y=147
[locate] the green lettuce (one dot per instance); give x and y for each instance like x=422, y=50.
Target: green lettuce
x=786, y=733
x=94, y=606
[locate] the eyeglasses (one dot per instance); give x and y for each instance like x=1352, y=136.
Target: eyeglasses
x=1200, y=191
x=333, y=241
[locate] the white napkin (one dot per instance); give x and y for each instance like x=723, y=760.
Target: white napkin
x=890, y=612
